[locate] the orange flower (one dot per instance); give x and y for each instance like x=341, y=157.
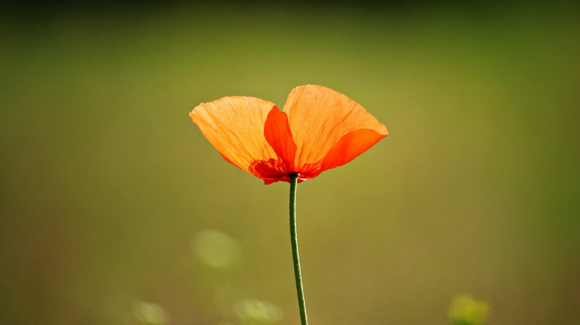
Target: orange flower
x=318, y=129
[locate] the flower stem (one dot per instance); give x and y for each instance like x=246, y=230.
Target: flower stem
x=295, y=255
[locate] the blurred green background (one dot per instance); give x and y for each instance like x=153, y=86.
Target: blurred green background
x=114, y=209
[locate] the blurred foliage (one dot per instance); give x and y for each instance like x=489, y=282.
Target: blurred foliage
x=107, y=187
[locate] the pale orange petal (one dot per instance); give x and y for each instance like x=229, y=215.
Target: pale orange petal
x=235, y=127
x=320, y=117
x=278, y=134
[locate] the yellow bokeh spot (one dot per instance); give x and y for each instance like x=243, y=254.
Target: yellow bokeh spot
x=466, y=310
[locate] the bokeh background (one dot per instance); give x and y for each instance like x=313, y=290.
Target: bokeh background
x=114, y=209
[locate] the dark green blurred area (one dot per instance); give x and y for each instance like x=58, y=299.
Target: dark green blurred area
x=107, y=186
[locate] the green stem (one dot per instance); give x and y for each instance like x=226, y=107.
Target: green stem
x=295, y=255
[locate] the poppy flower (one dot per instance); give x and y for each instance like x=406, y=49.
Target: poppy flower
x=317, y=130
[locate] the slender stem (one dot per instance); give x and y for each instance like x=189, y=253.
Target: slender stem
x=295, y=255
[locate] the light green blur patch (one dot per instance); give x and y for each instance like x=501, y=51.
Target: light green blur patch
x=216, y=249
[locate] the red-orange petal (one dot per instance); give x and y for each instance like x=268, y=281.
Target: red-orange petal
x=235, y=127
x=278, y=134
x=349, y=147
x=319, y=118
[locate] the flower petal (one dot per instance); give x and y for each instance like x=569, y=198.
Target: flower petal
x=349, y=147
x=235, y=127
x=320, y=117
x=278, y=134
